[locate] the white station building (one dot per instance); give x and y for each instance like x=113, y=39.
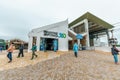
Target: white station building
x=45, y=36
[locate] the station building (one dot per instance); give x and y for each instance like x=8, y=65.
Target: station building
x=91, y=28
x=64, y=34
x=45, y=37
x=3, y=43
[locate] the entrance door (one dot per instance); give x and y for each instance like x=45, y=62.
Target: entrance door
x=49, y=44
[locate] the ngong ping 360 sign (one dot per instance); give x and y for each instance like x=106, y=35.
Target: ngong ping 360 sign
x=54, y=34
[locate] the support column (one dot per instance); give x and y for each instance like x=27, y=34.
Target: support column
x=78, y=40
x=30, y=43
x=38, y=43
x=87, y=31
x=108, y=37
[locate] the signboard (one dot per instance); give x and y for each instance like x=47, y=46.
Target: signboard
x=49, y=33
x=54, y=34
x=79, y=36
x=62, y=35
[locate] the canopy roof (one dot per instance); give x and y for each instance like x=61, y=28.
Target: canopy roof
x=94, y=21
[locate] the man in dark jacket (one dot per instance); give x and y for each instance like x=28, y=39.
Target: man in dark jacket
x=115, y=53
x=21, y=47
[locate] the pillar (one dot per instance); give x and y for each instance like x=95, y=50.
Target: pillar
x=38, y=43
x=87, y=31
x=30, y=43
x=108, y=37
x=78, y=40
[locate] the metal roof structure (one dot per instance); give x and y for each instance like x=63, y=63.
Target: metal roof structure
x=96, y=24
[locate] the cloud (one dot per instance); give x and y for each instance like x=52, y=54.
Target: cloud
x=18, y=17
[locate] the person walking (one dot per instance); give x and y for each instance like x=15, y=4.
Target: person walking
x=34, y=48
x=0, y=48
x=55, y=45
x=115, y=53
x=75, y=49
x=10, y=51
x=21, y=47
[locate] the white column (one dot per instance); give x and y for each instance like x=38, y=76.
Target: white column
x=38, y=43
x=87, y=30
x=30, y=43
x=108, y=37
x=78, y=40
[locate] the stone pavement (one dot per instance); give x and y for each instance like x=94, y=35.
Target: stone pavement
x=89, y=65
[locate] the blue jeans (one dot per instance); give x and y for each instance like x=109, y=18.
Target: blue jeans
x=9, y=55
x=1, y=49
x=115, y=58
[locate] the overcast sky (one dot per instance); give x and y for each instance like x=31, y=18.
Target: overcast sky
x=18, y=17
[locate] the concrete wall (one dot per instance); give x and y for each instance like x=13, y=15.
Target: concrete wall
x=105, y=49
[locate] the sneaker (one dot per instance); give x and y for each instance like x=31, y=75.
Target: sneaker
x=36, y=56
x=9, y=61
x=117, y=63
x=18, y=57
x=31, y=58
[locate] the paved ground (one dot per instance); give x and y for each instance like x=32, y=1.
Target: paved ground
x=89, y=65
x=24, y=61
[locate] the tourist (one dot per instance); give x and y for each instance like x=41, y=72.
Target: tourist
x=0, y=48
x=34, y=48
x=75, y=49
x=55, y=45
x=21, y=47
x=10, y=51
x=115, y=53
